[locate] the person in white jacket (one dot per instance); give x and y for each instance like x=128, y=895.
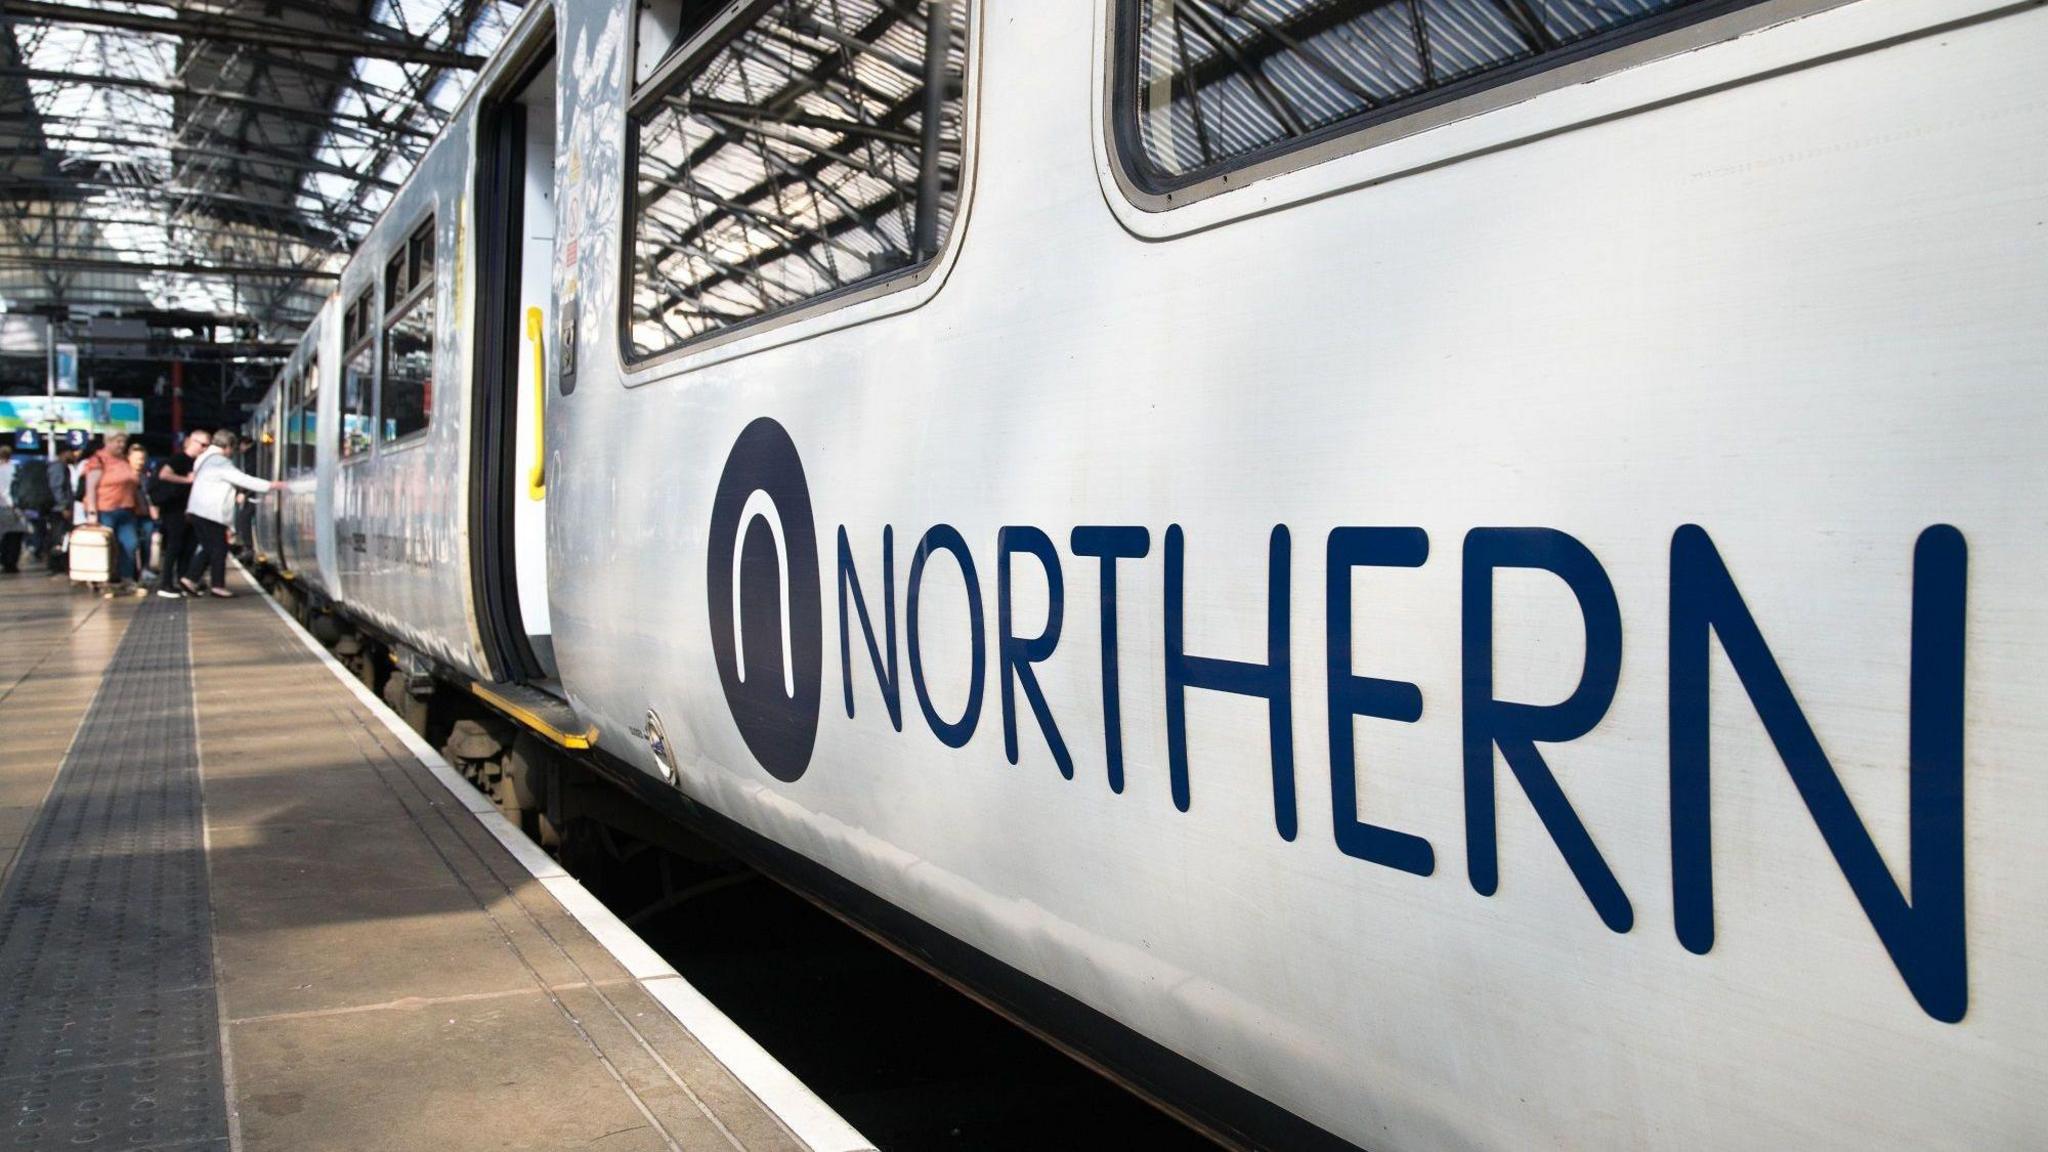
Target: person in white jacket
x=212, y=508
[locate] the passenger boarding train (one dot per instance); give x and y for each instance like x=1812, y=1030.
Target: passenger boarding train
x=1460, y=574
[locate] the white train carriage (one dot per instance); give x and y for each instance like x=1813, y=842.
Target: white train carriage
x=1444, y=574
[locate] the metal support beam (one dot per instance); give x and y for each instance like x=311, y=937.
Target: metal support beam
x=309, y=116
x=318, y=41
x=246, y=155
x=234, y=248
x=82, y=264
x=277, y=217
x=86, y=216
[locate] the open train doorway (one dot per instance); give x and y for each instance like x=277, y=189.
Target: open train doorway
x=515, y=240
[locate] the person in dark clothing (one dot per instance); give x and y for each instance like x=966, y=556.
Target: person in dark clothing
x=171, y=489
x=145, y=513
x=55, y=524
x=245, y=527
x=14, y=523
x=28, y=489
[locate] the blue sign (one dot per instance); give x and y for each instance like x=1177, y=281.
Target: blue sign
x=64, y=368
x=96, y=413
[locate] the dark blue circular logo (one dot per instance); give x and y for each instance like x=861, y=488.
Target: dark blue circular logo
x=767, y=627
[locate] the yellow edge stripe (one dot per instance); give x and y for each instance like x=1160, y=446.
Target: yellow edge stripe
x=583, y=739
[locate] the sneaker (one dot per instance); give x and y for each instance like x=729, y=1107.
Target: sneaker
x=167, y=594
x=220, y=592
x=191, y=589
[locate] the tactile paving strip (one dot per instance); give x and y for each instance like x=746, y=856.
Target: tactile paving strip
x=109, y=1020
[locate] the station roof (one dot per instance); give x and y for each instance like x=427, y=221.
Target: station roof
x=212, y=162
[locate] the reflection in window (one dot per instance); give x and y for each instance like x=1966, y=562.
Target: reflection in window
x=816, y=148
x=266, y=447
x=303, y=437
x=358, y=377
x=1218, y=81
x=405, y=399
x=355, y=401
x=408, y=389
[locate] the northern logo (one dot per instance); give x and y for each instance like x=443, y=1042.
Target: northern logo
x=767, y=626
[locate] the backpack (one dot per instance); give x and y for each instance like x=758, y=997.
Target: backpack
x=31, y=488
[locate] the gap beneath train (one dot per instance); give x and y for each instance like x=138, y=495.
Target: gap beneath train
x=912, y=1063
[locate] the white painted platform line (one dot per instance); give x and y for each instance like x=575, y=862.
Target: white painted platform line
x=752, y=1064
x=811, y=1119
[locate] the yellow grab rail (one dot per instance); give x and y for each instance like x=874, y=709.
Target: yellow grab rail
x=537, y=480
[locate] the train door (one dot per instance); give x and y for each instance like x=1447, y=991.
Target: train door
x=515, y=257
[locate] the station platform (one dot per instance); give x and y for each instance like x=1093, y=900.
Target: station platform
x=243, y=908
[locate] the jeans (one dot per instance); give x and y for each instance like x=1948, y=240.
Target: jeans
x=122, y=521
x=145, y=530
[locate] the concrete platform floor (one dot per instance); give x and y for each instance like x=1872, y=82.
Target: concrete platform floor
x=389, y=975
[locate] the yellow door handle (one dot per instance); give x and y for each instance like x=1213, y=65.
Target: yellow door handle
x=537, y=479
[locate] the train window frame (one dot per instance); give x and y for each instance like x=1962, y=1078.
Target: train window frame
x=310, y=443
x=309, y=414
x=263, y=440
x=289, y=401
x=301, y=395
x=1495, y=110
x=360, y=332
x=410, y=270
x=859, y=302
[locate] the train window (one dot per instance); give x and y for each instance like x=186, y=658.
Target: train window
x=289, y=400
x=294, y=453
x=358, y=374
x=305, y=432
x=664, y=27
x=421, y=252
x=1203, y=87
x=800, y=149
x=406, y=394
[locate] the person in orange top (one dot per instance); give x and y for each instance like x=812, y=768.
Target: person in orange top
x=113, y=499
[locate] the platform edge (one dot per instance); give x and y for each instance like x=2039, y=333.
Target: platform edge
x=802, y=1111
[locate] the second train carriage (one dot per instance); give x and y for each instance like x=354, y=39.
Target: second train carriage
x=1430, y=575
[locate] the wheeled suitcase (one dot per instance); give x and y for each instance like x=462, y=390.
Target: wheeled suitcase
x=91, y=548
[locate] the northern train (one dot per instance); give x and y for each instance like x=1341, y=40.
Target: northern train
x=1415, y=575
